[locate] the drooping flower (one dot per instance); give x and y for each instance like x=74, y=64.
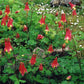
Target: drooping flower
x=68, y=78
x=0, y=12
x=7, y=10
x=54, y=63
x=22, y=68
x=6, y=17
x=72, y=5
x=10, y=22
x=50, y=49
x=17, y=35
x=63, y=46
x=33, y=59
x=60, y=25
x=41, y=67
x=25, y=28
x=63, y=17
x=46, y=29
x=8, y=46
x=17, y=11
x=26, y=7
x=40, y=36
x=42, y=21
x=56, y=13
x=74, y=12
x=3, y=21
x=68, y=34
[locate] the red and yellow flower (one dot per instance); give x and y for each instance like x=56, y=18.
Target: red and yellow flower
x=22, y=68
x=10, y=22
x=3, y=21
x=40, y=36
x=8, y=46
x=50, y=49
x=41, y=67
x=25, y=28
x=7, y=10
x=68, y=35
x=26, y=7
x=54, y=63
x=63, y=17
x=33, y=59
x=42, y=21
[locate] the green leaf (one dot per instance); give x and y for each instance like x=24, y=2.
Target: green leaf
x=16, y=82
x=13, y=78
x=4, y=78
x=22, y=81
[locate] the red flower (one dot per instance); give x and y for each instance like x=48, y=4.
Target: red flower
x=68, y=34
x=17, y=35
x=0, y=12
x=22, y=68
x=40, y=36
x=3, y=21
x=63, y=17
x=72, y=5
x=7, y=10
x=63, y=46
x=33, y=59
x=68, y=78
x=17, y=11
x=26, y=7
x=25, y=28
x=10, y=21
x=41, y=67
x=56, y=14
x=60, y=25
x=50, y=49
x=42, y=21
x=74, y=12
x=46, y=29
x=54, y=63
x=6, y=17
x=8, y=46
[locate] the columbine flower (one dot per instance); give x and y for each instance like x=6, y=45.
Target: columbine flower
x=6, y=17
x=42, y=21
x=54, y=63
x=17, y=35
x=33, y=59
x=7, y=10
x=56, y=14
x=22, y=68
x=50, y=49
x=8, y=46
x=41, y=67
x=68, y=78
x=40, y=36
x=3, y=21
x=72, y=5
x=74, y=12
x=25, y=28
x=0, y=12
x=63, y=46
x=60, y=25
x=10, y=21
x=63, y=17
x=46, y=29
x=26, y=7
x=17, y=11
x=68, y=35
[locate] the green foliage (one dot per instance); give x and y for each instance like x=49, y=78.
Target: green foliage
x=69, y=63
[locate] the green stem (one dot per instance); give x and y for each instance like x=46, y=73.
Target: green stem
x=79, y=60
